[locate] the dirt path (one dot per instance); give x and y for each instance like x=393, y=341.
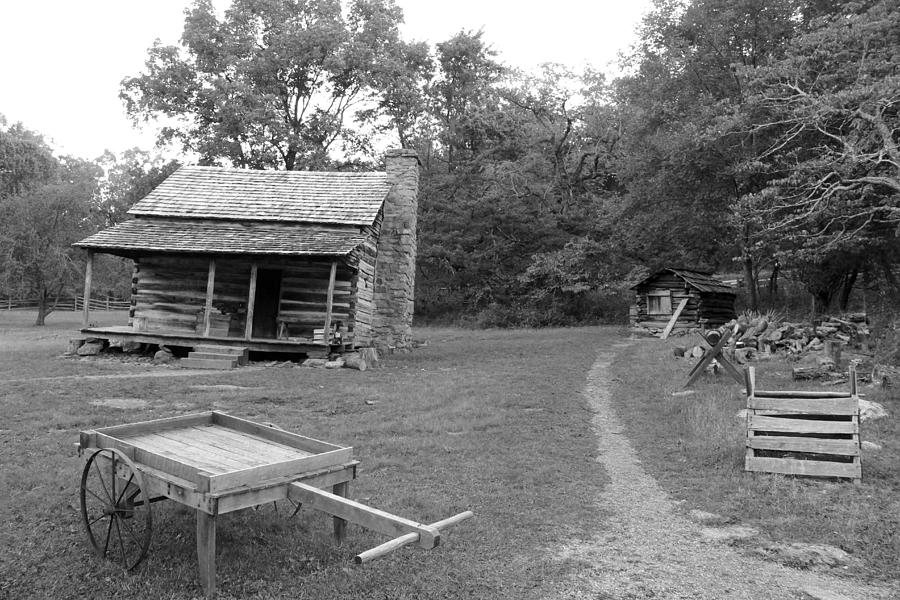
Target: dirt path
x=651, y=550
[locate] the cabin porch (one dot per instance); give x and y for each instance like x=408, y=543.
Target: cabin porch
x=176, y=339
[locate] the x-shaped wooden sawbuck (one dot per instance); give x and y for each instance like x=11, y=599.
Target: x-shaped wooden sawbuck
x=714, y=354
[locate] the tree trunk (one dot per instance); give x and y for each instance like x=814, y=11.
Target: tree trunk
x=41, y=308
x=846, y=288
x=821, y=301
x=773, y=280
x=290, y=157
x=750, y=285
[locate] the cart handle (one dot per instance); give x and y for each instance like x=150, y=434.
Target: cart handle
x=409, y=538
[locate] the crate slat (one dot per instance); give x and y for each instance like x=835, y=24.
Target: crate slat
x=805, y=433
x=799, y=444
x=815, y=468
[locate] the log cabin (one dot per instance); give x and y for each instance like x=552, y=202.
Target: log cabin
x=709, y=302
x=272, y=261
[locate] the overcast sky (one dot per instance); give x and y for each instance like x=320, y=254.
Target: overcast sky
x=61, y=61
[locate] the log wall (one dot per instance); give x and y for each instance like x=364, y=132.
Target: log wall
x=169, y=293
x=715, y=308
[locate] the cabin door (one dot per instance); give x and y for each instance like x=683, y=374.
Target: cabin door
x=265, y=308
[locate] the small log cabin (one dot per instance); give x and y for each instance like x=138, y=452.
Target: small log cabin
x=275, y=261
x=710, y=302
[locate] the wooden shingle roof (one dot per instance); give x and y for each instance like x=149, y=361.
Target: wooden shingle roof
x=253, y=195
x=224, y=237
x=700, y=280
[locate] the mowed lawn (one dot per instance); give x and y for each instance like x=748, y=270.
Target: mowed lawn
x=488, y=421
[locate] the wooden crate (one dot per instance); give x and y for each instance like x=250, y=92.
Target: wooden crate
x=803, y=432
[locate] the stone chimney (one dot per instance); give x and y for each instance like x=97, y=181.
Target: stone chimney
x=395, y=266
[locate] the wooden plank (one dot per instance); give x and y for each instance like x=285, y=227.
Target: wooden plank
x=799, y=394
x=142, y=427
x=210, y=289
x=276, y=489
x=801, y=444
x=248, y=447
x=814, y=468
x=88, y=276
x=674, y=319
x=366, y=516
x=812, y=406
x=329, y=302
x=251, y=300
x=144, y=457
x=182, y=453
x=760, y=423
x=281, y=436
x=339, y=525
x=297, y=466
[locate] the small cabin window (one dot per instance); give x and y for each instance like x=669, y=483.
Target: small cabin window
x=659, y=303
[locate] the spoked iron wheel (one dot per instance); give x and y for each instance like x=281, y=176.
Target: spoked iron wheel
x=115, y=507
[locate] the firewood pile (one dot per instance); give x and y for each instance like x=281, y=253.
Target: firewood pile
x=816, y=348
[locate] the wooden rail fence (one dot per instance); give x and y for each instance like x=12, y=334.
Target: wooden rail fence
x=74, y=303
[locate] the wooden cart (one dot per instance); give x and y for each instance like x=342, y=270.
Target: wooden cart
x=216, y=463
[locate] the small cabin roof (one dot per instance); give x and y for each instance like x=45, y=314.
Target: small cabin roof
x=224, y=237
x=254, y=195
x=700, y=280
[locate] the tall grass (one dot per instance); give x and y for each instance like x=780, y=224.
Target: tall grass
x=694, y=445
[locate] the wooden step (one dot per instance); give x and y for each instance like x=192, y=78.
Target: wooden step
x=214, y=355
x=239, y=352
x=222, y=364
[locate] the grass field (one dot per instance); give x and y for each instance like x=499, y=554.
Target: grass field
x=487, y=421
x=694, y=446
x=490, y=421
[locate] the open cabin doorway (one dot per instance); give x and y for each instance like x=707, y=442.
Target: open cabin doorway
x=265, y=306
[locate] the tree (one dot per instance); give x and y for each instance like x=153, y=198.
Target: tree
x=684, y=170
x=831, y=109
x=275, y=83
x=38, y=227
x=128, y=178
x=25, y=159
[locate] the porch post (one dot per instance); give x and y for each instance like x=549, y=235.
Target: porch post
x=210, y=287
x=329, y=301
x=251, y=300
x=88, y=275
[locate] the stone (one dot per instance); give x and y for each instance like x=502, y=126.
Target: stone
x=732, y=533
x=744, y=355
x=163, y=355
x=74, y=345
x=314, y=362
x=870, y=446
x=334, y=364
x=90, y=348
x=130, y=347
x=869, y=410
x=706, y=518
x=806, y=556
x=814, y=592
